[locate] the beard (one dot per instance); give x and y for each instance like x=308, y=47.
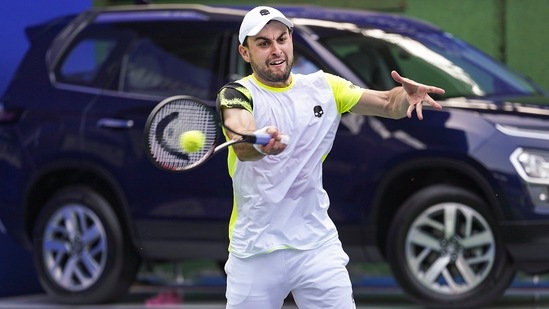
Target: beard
x=265, y=74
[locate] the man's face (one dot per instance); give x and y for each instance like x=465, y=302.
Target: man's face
x=270, y=54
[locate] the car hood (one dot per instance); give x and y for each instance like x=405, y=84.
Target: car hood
x=527, y=112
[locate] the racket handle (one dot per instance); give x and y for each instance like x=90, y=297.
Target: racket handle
x=262, y=138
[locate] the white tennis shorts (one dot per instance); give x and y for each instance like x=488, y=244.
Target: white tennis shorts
x=316, y=278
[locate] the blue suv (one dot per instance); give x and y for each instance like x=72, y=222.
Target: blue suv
x=456, y=203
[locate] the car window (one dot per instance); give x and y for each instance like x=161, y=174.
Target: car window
x=430, y=58
x=168, y=67
x=92, y=59
x=172, y=57
x=83, y=63
x=371, y=61
x=158, y=58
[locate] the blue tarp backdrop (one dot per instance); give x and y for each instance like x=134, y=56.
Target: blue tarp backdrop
x=15, y=16
x=17, y=274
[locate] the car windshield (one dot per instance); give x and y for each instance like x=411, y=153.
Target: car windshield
x=430, y=58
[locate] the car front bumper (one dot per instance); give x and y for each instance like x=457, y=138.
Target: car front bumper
x=528, y=244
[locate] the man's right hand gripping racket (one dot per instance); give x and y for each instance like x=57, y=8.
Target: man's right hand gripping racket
x=179, y=114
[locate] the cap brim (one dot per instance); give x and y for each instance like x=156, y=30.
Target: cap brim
x=255, y=30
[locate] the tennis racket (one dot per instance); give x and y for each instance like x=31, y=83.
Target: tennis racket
x=178, y=114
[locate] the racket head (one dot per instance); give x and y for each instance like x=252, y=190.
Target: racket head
x=168, y=120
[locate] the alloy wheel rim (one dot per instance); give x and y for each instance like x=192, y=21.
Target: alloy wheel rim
x=450, y=248
x=75, y=247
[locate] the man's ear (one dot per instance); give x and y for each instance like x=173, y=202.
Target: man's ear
x=244, y=53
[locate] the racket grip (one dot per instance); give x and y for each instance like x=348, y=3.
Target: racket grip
x=262, y=138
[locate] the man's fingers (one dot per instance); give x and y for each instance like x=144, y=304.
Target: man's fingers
x=428, y=89
x=410, y=110
x=399, y=79
x=419, y=111
x=433, y=89
x=396, y=76
x=434, y=104
x=427, y=99
x=419, y=108
x=417, y=94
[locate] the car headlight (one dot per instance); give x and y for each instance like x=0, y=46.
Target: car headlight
x=532, y=165
x=533, y=168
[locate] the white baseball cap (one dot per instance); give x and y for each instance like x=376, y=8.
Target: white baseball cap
x=257, y=18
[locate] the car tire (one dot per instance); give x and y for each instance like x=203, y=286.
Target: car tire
x=80, y=250
x=445, y=251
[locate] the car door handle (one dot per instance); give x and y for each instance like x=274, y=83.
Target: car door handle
x=115, y=123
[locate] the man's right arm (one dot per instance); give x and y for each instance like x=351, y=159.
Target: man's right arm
x=241, y=120
x=235, y=106
x=236, y=113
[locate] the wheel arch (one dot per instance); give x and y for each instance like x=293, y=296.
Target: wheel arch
x=55, y=177
x=405, y=179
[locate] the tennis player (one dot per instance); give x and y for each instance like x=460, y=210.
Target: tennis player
x=281, y=238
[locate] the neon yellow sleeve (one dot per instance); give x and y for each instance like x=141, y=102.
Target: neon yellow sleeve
x=346, y=94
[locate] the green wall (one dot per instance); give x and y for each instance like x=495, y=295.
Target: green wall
x=528, y=40
x=513, y=31
x=472, y=20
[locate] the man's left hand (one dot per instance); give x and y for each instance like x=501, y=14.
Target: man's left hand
x=417, y=94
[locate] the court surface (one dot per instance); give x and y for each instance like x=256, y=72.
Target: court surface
x=212, y=297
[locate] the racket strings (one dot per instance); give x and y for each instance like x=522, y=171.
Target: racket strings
x=170, y=122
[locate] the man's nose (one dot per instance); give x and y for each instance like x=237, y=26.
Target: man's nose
x=276, y=48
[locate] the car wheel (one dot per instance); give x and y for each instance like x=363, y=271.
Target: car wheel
x=445, y=251
x=80, y=252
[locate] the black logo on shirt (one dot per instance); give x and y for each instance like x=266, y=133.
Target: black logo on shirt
x=318, y=111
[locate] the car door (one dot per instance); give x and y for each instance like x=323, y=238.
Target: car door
x=169, y=211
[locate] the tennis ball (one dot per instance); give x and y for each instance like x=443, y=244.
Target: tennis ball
x=192, y=141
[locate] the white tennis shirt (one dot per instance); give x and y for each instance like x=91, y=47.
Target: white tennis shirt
x=279, y=201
